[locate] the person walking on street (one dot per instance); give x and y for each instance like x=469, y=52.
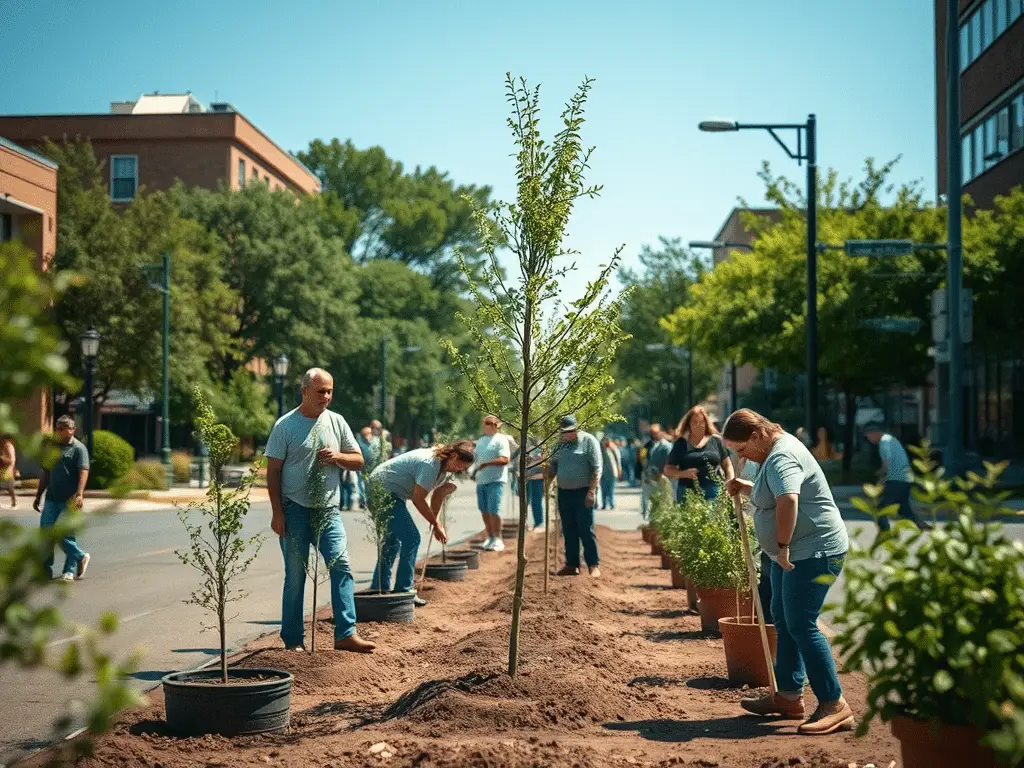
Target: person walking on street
x=611, y=470
x=896, y=476
x=364, y=438
x=290, y=462
x=492, y=455
x=657, y=454
x=534, y=479
x=411, y=476
x=64, y=484
x=576, y=465
x=798, y=525
x=698, y=454
x=8, y=466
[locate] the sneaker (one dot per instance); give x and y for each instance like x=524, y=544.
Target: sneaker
x=498, y=546
x=418, y=601
x=829, y=717
x=354, y=643
x=489, y=544
x=788, y=709
x=568, y=571
x=299, y=648
x=82, y=565
x=595, y=572
x=67, y=577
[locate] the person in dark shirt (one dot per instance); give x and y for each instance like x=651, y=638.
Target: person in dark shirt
x=64, y=483
x=698, y=454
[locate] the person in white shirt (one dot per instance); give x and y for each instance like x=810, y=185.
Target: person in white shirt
x=895, y=474
x=491, y=457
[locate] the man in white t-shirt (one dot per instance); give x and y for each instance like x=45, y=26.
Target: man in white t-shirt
x=895, y=474
x=490, y=468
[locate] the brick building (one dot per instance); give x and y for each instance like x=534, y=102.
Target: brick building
x=159, y=139
x=991, y=96
x=28, y=212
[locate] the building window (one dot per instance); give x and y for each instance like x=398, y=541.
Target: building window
x=241, y=173
x=1002, y=12
x=966, y=166
x=1017, y=123
x=124, y=177
x=255, y=174
x=1003, y=133
x=991, y=156
x=975, y=35
x=987, y=32
x=1016, y=7
x=266, y=180
x=965, y=47
x=978, y=152
x=6, y=227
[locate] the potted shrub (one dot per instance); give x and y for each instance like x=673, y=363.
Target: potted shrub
x=225, y=701
x=936, y=621
x=378, y=605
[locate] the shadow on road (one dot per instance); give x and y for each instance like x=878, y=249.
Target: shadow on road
x=739, y=727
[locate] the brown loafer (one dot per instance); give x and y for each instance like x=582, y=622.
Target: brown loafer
x=595, y=572
x=568, y=571
x=354, y=643
x=788, y=709
x=829, y=717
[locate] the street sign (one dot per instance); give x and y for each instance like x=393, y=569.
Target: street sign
x=892, y=324
x=940, y=322
x=879, y=248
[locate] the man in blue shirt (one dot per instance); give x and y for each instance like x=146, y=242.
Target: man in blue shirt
x=576, y=464
x=895, y=474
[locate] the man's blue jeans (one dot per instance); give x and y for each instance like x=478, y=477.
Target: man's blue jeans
x=403, y=542
x=803, y=652
x=577, y=527
x=535, y=492
x=608, y=491
x=896, y=492
x=333, y=545
x=72, y=552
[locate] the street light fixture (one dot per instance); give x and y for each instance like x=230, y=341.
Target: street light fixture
x=806, y=149
x=714, y=245
x=90, y=350
x=280, y=371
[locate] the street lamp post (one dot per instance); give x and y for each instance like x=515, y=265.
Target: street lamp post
x=163, y=270
x=90, y=349
x=806, y=149
x=954, y=277
x=280, y=371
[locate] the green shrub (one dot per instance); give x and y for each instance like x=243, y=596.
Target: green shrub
x=111, y=459
x=181, y=463
x=935, y=619
x=146, y=475
x=706, y=542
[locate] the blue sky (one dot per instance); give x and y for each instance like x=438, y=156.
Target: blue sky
x=425, y=81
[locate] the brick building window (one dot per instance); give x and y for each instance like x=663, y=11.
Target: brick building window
x=255, y=174
x=124, y=177
x=241, y=173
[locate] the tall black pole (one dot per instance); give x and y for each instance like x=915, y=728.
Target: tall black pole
x=812, y=279
x=280, y=396
x=954, y=277
x=733, y=401
x=689, y=377
x=166, y=451
x=88, y=403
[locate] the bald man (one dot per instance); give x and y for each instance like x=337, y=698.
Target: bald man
x=292, y=452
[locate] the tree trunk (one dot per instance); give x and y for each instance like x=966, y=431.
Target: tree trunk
x=547, y=527
x=517, y=600
x=850, y=430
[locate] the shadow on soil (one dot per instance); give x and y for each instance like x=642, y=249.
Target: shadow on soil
x=710, y=684
x=673, y=636
x=740, y=727
x=655, y=681
x=426, y=692
x=150, y=675
x=656, y=614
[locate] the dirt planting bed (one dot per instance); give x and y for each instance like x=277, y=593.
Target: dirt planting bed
x=614, y=672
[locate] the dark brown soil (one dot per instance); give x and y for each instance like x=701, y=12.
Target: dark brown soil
x=613, y=672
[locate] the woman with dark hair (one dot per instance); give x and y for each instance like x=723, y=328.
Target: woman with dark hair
x=410, y=477
x=798, y=526
x=698, y=454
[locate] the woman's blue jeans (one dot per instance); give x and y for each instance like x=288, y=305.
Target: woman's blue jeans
x=402, y=542
x=608, y=491
x=803, y=653
x=535, y=493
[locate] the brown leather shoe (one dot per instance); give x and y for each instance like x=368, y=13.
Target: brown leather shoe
x=595, y=572
x=354, y=643
x=568, y=571
x=788, y=709
x=829, y=717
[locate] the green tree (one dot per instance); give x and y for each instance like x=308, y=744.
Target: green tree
x=531, y=343
x=420, y=218
x=658, y=381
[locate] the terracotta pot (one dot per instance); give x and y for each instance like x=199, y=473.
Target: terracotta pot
x=946, y=747
x=743, y=653
x=655, y=543
x=645, y=532
x=677, y=576
x=715, y=604
x=691, y=595
x=666, y=561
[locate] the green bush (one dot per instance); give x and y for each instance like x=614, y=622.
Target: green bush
x=111, y=459
x=181, y=463
x=935, y=619
x=146, y=475
x=706, y=542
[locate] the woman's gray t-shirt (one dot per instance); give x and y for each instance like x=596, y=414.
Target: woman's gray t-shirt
x=790, y=468
x=403, y=473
